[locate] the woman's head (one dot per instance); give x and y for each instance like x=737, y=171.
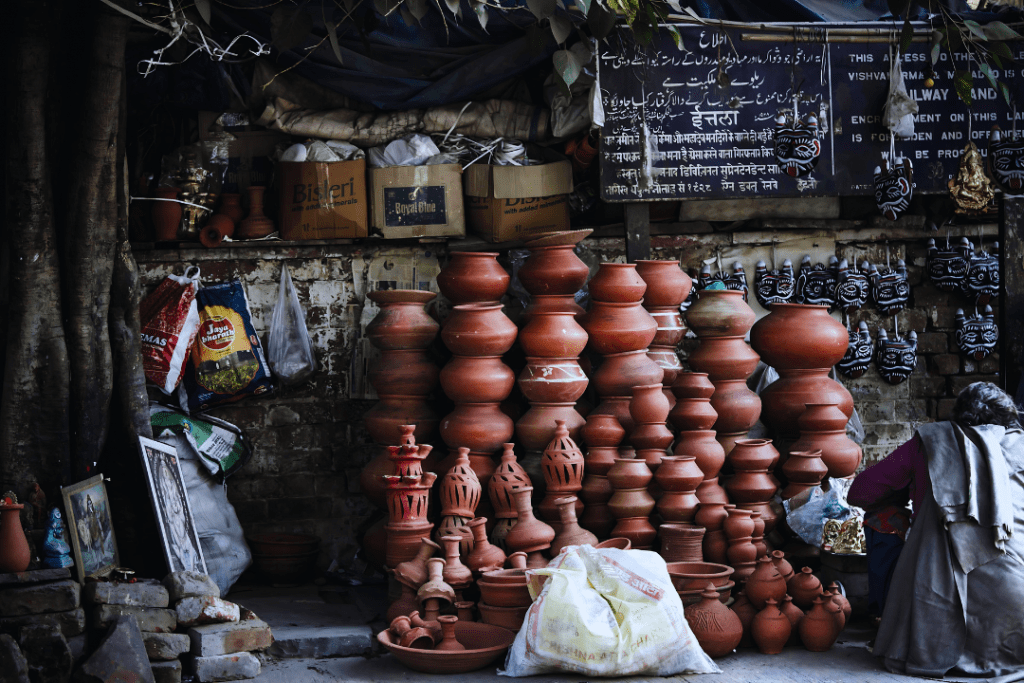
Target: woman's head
x=983, y=403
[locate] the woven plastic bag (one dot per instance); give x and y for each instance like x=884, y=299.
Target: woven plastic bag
x=289, y=348
x=605, y=612
x=169, y=320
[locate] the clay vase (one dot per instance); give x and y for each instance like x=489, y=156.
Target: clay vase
x=553, y=334
x=562, y=464
x=765, y=583
x=484, y=554
x=478, y=330
x=473, y=276
x=455, y=574
x=529, y=535
x=771, y=629
x=701, y=444
x=403, y=321
x=745, y=612
x=464, y=609
x=737, y=406
x=717, y=628
x=818, y=628
x=618, y=373
x=692, y=414
x=799, y=337
x=404, y=371
x=553, y=270
x=480, y=427
x=840, y=454
x=617, y=283
x=536, y=428
x=618, y=327
x=448, y=641
x=551, y=302
x=667, y=284
x=804, y=587
x=571, y=533
x=678, y=478
x=724, y=358
x=255, y=224
x=14, y=551
x=231, y=206
x=414, y=572
x=552, y=380
x=795, y=616
x=783, y=566
x=384, y=420
x=692, y=385
x=681, y=542
x=804, y=470
x=166, y=215
x=477, y=379
x=602, y=431
x=786, y=398
x=720, y=313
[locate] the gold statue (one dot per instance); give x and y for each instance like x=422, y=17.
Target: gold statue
x=971, y=188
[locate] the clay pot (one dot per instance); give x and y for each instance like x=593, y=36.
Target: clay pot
x=473, y=276
x=753, y=454
x=599, y=459
x=636, y=502
x=478, y=330
x=840, y=599
x=799, y=336
x=840, y=454
x=745, y=612
x=737, y=406
x=401, y=543
x=767, y=516
x=629, y=474
x=597, y=518
x=710, y=492
x=679, y=473
x=231, y=206
x=783, y=566
x=818, y=628
x=483, y=554
x=638, y=530
x=385, y=419
x=536, y=427
x=617, y=406
x=477, y=379
x=835, y=609
x=255, y=224
x=701, y=444
x=217, y=228
x=795, y=616
x=508, y=618
x=617, y=283
x=551, y=302
x=553, y=334
x=691, y=414
x=681, y=543
x=529, y=534
x=552, y=380
x=738, y=523
x=750, y=486
x=649, y=406
x=803, y=469
x=711, y=516
x=804, y=587
x=724, y=358
x=667, y=284
x=668, y=360
x=404, y=371
x=449, y=643
x=553, y=270
x=720, y=313
x=479, y=427
x=715, y=547
x=765, y=583
x=618, y=373
x=678, y=506
x=403, y=321
x=693, y=385
x=166, y=215
x=455, y=574
x=771, y=629
x=414, y=572
x=671, y=328
x=784, y=400
x=464, y=609
x=717, y=628
x=619, y=327
x=602, y=430
x=14, y=551
x=822, y=417
x=571, y=533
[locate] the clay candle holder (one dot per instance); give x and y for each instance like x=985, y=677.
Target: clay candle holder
x=407, y=500
x=508, y=476
x=460, y=492
x=562, y=464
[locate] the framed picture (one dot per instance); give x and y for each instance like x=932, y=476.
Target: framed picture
x=171, y=506
x=90, y=527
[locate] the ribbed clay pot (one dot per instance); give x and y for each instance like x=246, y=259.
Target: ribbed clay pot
x=477, y=426
x=553, y=270
x=617, y=282
x=618, y=373
x=717, y=628
x=602, y=430
x=478, y=330
x=724, y=358
x=553, y=334
x=681, y=542
x=551, y=302
x=695, y=385
x=535, y=429
x=667, y=284
x=771, y=629
x=785, y=400
x=477, y=379
x=473, y=276
x=403, y=322
x=619, y=327
x=720, y=313
x=404, y=371
x=799, y=337
x=385, y=419
x=552, y=380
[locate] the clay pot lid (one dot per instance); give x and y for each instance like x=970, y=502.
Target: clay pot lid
x=558, y=239
x=397, y=296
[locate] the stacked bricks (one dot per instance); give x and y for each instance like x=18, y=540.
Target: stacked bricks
x=42, y=624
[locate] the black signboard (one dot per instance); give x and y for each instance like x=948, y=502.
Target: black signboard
x=708, y=111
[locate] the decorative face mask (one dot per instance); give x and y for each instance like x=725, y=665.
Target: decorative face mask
x=852, y=287
x=1006, y=161
x=978, y=334
x=889, y=288
x=894, y=186
x=897, y=358
x=797, y=148
x=982, y=280
x=692, y=296
x=774, y=286
x=947, y=269
x=737, y=281
x=858, y=353
x=817, y=284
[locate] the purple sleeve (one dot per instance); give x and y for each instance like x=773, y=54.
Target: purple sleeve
x=879, y=483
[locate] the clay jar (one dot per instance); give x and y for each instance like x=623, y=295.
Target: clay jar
x=695, y=385
x=717, y=628
x=478, y=330
x=750, y=486
x=737, y=406
x=803, y=470
x=840, y=454
x=448, y=641
x=618, y=373
x=551, y=302
x=553, y=334
x=552, y=380
x=738, y=524
x=799, y=337
x=617, y=282
x=255, y=224
x=702, y=445
x=480, y=427
x=667, y=284
x=724, y=358
x=536, y=427
x=804, y=587
x=678, y=477
x=671, y=329
x=618, y=407
x=689, y=414
x=413, y=572
x=771, y=629
x=818, y=628
x=765, y=583
x=231, y=206
x=602, y=431
x=403, y=322
x=477, y=379
x=571, y=533
x=649, y=405
x=14, y=551
x=711, y=516
x=722, y=313
x=628, y=473
x=529, y=535
x=668, y=360
x=753, y=454
x=553, y=270
x=166, y=215
x=404, y=371
x=473, y=276
x=619, y=327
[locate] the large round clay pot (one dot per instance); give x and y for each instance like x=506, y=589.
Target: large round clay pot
x=701, y=444
x=385, y=419
x=553, y=270
x=785, y=399
x=552, y=380
x=553, y=334
x=618, y=373
x=535, y=429
x=721, y=313
x=628, y=473
x=692, y=385
x=477, y=379
x=803, y=470
x=771, y=628
x=799, y=337
x=822, y=417
x=166, y=215
x=738, y=523
x=649, y=405
x=473, y=276
x=717, y=628
x=671, y=329
x=14, y=551
x=766, y=583
x=404, y=371
x=667, y=284
x=618, y=327
x=403, y=322
x=617, y=282
x=753, y=454
x=737, y=406
x=476, y=426
x=692, y=414
x=479, y=330
x=619, y=407
x=551, y=302
x=677, y=506
x=679, y=473
x=840, y=454
x=724, y=358
x=602, y=430
x=750, y=486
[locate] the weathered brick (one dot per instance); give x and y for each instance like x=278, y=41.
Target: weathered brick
x=957, y=384
x=121, y=656
x=928, y=295
x=989, y=365
x=59, y=596
x=913, y=319
x=206, y=610
x=150, y=619
x=12, y=660
x=927, y=386
x=47, y=652
x=226, y=667
x=944, y=408
x=223, y=639
x=932, y=342
x=34, y=576
x=912, y=411
x=187, y=584
x=163, y=647
x=143, y=593
x=876, y=411
x=881, y=434
x=71, y=623
x=946, y=363
x=166, y=672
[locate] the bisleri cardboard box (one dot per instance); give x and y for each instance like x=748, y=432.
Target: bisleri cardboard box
x=417, y=201
x=322, y=200
x=515, y=202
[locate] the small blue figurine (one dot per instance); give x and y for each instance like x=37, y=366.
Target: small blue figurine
x=56, y=551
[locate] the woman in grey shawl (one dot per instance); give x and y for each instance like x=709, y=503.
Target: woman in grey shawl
x=956, y=600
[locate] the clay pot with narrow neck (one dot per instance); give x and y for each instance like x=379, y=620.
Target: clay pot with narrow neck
x=553, y=270
x=473, y=276
x=818, y=628
x=619, y=327
x=483, y=554
x=667, y=284
x=618, y=373
x=783, y=566
x=795, y=616
x=477, y=379
x=571, y=532
x=166, y=215
x=478, y=330
x=385, y=419
x=414, y=572
x=256, y=224
x=765, y=583
x=618, y=283
x=15, y=555
x=403, y=321
x=720, y=313
x=536, y=427
x=717, y=628
x=455, y=574
x=799, y=337
x=551, y=302
x=785, y=399
x=771, y=628
x=835, y=609
x=553, y=334
x=602, y=430
x=449, y=643
x=480, y=427
x=552, y=380
x=529, y=535
x=404, y=371
x=840, y=599
x=804, y=587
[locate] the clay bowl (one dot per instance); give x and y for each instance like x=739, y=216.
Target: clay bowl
x=484, y=643
x=692, y=597
x=695, y=575
x=511, y=618
x=620, y=543
x=504, y=594
x=515, y=577
x=282, y=544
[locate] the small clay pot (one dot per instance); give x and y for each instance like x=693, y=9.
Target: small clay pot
x=804, y=587
x=256, y=224
x=619, y=327
x=484, y=554
x=765, y=583
x=602, y=430
x=771, y=629
x=231, y=206
x=403, y=322
x=692, y=414
x=667, y=284
x=535, y=429
x=553, y=270
x=784, y=568
x=818, y=628
x=745, y=612
x=693, y=385
x=701, y=444
x=710, y=492
x=553, y=334
x=840, y=599
x=711, y=516
x=618, y=283
x=15, y=555
x=529, y=535
x=449, y=643
x=477, y=379
x=649, y=406
x=473, y=276
x=480, y=427
x=638, y=530
x=795, y=616
x=667, y=359
x=629, y=474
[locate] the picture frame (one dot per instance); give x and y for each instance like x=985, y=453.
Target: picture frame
x=90, y=527
x=171, y=506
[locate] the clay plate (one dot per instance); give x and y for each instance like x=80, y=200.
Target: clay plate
x=557, y=239
x=391, y=296
x=484, y=644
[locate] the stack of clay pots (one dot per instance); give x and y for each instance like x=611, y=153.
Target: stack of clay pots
x=651, y=437
x=739, y=530
x=804, y=471
x=667, y=288
x=823, y=428
x=678, y=477
x=631, y=504
x=693, y=416
x=721, y=319
x=562, y=464
x=751, y=487
x=508, y=477
x=408, y=496
x=504, y=596
x=602, y=433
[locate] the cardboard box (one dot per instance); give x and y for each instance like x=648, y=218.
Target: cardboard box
x=250, y=149
x=417, y=201
x=514, y=202
x=319, y=200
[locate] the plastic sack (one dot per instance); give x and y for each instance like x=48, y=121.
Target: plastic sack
x=169, y=322
x=289, y=348
x=605, y=612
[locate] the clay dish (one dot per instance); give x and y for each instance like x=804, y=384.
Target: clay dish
x=484, y=643
x=511, y=618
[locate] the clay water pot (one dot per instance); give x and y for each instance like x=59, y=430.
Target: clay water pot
x=668, y=360
x=651, y=436
x=638, y=530
x=717, y=628
x=711, y=516
x=765, y=583
x=783, y=566
x=671, y=328
x=618, y=373
x=818, y=628
x=679, y=473
x=449, y=643
x=483, y=554
x=552, y=380
x=701, y=444
x=737, y=406
x=692, y=414
x=571, y=532
x=473, y=276
x=840, y=599
x=478, y=330
x=414, y=572
x=799, y=336
x=835, y=609
x=694, y=385
x=617, y=282
x=667, y=284
x=15, y=555
x=508, y=618
x=166, y=215
x=385, y=419
x=681, y=542
x=720, y=313
x=795, y=616
x=745, y=612
x=753, y=454
x=715, y=547
x=551, y=302
x=619, y=327
x=628, y=473
x=553, y=334
x=785, y=399
x=771, y=629
x=738, y=523
x=710, y=492
x=635, y=502
x=256, y=224
x=840, y=454
x=822, y=417
x=803, y=469
x=599, y=459
x=480, y=427
x=477, y=379
x=750, y=486
x=724, y=358
x=529, y=535
x=602, y=430
x=553, y=270
x=767, y=517
x=804, y=587
x=403, y=321
x=404, y=371
x=536, y=427
x=617, y=406
x=649, y=405
x=677, y=506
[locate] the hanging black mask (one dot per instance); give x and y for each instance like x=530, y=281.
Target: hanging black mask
x=858, y=354
x=982, y=281
x=1006, y=161
x=947, y=269
x=889, y=288
x=774, y=286
x=852, y=286
x=976, y=335
x=817, y=284
x=797, y=148
x=894, y=186
x=692, y=296
x=896, y=359
x=736, y=281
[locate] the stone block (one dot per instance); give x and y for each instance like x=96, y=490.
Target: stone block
x=70, y=623
x=163, y=647
x=927, y=386
x=224, y=639
x=958, y=383
x=166, y=672
x=226, y=667
x=58, y=596
x=946, y=364
x=34, y=576
x=120, y=657
x=47, y=652
x=932, y=342
x=206, y=610
x=12, y=661
x=150, y=619
x=79, y=646
x=187, y=584
x=142, y=593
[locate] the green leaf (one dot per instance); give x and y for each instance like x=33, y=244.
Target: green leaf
x=987, y=70
x=630, y=8
x=566, y=66
x=999, y=62
x=975, y=28
x=677, y=37
x=600, y=21
x=906, y=36
x=936, y=50
x=332, y=35
x=963, y=82
x=997, y=30
x=584, y=6
x=560, y=28
x=1001, y=49
x=203, y=7
x=289, y=27
x=1006, y=93
x=542, y=9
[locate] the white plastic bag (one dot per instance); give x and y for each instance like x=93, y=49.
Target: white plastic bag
x=289, y=348
x=605, y=612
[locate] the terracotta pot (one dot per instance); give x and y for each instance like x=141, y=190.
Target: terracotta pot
x=630, y=503
x=484, y=554
x=803, y=469
x=478, y=330
x=818, y=628
x=551, y=302
x=679, y=473
x=720, y=313
x=653, y=457
x=552, y=380
x=717, y=629
x=602, y=430
x=166, y=215
x=737, y=406
x=750, y=486
x=701, y=444
x=385, y=419
x=668, y=360
x=616, y=543
x=618, y=327
x=553, y=270
x=509, y=618
x=507, y=476
x=693, y=385
x=752, y=454
x=724, y=358
x=784, y=568
x=455, y=574
x=14, y=551
x=553, y=334
x=795, y=616
x=477, y=379
x=691, y=414
x=649, y=405
x=629, y=474
x=637, y=530
x=477, y=426
x=671, y=328
x=741, y=551
x=449, y=643
x=562, y=462
x=617, y=406
x=804, y=587
x=465, y=609
x=571, y=532
x=402, y=543
x=822, y=417
x=597, y=519
x=767, y=515
x=710, y=492
x=711, y=516
x=738, y=523
x=536, y=427
x=508, y=595
x=771, y=629
x=799, y=336
x=746, y=613
x=681, y=543
x=618, y=373
x=678, y=506
x=599, y=459
x=784, y=400
x=835, y=609
x=765, y=583
x=529, y=534
x=840, y=454
x=217, y=228
x=404, y=371
x=473, y=276
x=231, y=206
x=667, y=284
x=403, y=322
x=617, y=283
x=715, y=546
x=413, y=573
x=255, y=224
